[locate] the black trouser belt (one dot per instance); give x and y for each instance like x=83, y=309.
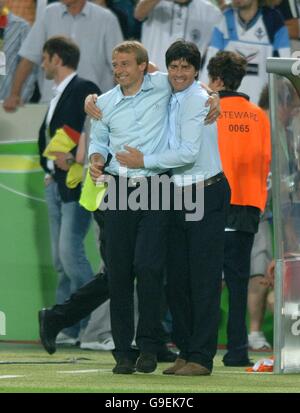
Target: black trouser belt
x=214, y=179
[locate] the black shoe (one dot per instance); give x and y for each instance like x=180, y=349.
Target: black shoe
x=124, y=366
x=48, y=332
x=146, y=363
x=238, y=363
x=166, y=356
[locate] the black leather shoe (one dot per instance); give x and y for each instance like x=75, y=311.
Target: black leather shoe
x=238, y=363
x=48, y=332
x=146, y=363
x=166, y=356
x=124, y=366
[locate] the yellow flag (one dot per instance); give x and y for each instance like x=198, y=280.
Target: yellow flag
x=91, y=194
x=74, y=175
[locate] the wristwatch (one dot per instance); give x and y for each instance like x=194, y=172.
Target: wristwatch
x=70, y=161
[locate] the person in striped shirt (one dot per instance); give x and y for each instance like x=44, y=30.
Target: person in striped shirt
x=13, y=31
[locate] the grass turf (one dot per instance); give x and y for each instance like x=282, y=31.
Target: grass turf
x=71, y=370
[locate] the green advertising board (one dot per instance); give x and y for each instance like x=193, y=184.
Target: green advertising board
x=27, y=280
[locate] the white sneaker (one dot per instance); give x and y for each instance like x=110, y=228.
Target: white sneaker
x=105, y=345
x=63, y=338
x=258, y=341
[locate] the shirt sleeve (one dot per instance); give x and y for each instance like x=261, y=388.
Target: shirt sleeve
x=32, y=46
x=191, y=130
x=99, y=139
x=28, y=86
x=282, y=42
x=113, y=36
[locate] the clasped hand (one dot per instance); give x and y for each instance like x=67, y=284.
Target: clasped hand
x=132, y=158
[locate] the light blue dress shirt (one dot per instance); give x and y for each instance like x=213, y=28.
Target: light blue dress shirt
x=193, y=147
x=139, y=121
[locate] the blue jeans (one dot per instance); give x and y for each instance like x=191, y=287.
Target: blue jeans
x=69, y=224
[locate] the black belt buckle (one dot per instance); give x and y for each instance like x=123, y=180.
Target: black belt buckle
x=214, y=179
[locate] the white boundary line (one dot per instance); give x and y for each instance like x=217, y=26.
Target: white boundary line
x=7, y=188
x=84, y=371
x=24, y=171
x=11, y=376
x=18, y=141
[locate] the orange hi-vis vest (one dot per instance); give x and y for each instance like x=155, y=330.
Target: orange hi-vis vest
x=245, y=149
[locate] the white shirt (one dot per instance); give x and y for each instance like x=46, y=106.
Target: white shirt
x=57, y=92
x=169, y=21
x=250, y=40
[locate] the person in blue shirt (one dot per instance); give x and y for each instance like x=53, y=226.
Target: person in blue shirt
x=134, y=113
x=81, y=303
x=195, y=246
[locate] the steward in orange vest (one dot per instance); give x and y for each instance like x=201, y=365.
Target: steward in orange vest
x=244, y=144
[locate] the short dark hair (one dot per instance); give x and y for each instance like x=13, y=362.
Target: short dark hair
x=181, y=49
x=230, y=67
x=65, y=48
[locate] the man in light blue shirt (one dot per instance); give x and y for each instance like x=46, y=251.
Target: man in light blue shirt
x=135, y=114
x=139, y=120
x=195, y=250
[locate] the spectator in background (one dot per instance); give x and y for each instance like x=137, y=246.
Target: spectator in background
x=124, y=10
x=13, y=31
x=291, y=15
x=23, y=8
x=261, y=256
x=244, y=143
x=69, y=222
x=40, y=7
x=255, y=33
x=165, y=21
x=96, y=31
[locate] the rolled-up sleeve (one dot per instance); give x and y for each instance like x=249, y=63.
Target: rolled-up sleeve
x=32, y=47
x=99, y=139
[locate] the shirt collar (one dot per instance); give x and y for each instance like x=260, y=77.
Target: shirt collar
x=146, y=85
x=229, y=93
x=250, y=23
x=84, y=12
x=180, y=95
x=59, y=89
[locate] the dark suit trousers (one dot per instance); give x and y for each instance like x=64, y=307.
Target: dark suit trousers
x=135, y=243
x=90, y=296
x=238, y=245
x=87, y=298
x=195, y=263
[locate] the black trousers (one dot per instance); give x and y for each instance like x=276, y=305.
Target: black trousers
x=194, y=276
x=135, y=243
x=87, y=298
x=91, y=295
x=238, y=245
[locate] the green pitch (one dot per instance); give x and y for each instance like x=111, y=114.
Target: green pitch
x=28, y=369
